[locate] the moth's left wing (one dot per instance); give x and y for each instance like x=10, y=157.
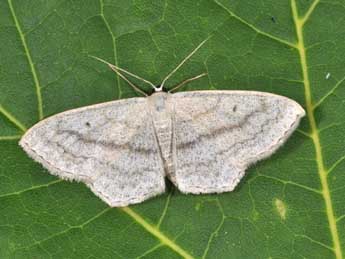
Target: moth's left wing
x=111, y=147
x=218, y=134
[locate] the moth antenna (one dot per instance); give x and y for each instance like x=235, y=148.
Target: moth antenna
x=129, y=82
x=182, y=62
x=123, y=70
x=117, y=71
x=186, y=81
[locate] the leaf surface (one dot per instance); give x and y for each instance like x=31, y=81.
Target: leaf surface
x=289, y=206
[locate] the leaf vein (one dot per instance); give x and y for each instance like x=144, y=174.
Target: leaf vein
x=149, y=251
x=314, y=132
x=315, y=241
x=335, y=164
x=291, y=183
x=329, y=93
x=309, y=12
x=38, y=24
x=12, y=119
x=341, y=218
x=113, y=45
x=166, y=206
x=157, y=233
x=30, y=61
x=31, y=189
x=81, y=226
x=257, y=30
x=216, y=231
x=14, y=137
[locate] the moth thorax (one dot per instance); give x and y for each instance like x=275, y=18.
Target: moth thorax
x=162, y=121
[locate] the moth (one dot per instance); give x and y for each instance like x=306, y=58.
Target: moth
x=203, y=141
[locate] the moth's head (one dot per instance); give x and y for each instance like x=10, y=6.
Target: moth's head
x=159, y=89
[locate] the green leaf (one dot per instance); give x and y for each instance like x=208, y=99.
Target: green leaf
x=289, y=206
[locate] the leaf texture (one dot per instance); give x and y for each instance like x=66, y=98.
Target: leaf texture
x=289, y=206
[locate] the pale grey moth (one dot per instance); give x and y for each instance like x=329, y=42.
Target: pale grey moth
x=203, y=141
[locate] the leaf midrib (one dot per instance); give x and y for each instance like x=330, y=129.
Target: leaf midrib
x=322, y=171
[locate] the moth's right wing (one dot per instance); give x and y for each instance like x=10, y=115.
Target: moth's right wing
x=218, y=134
x=110, y=147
